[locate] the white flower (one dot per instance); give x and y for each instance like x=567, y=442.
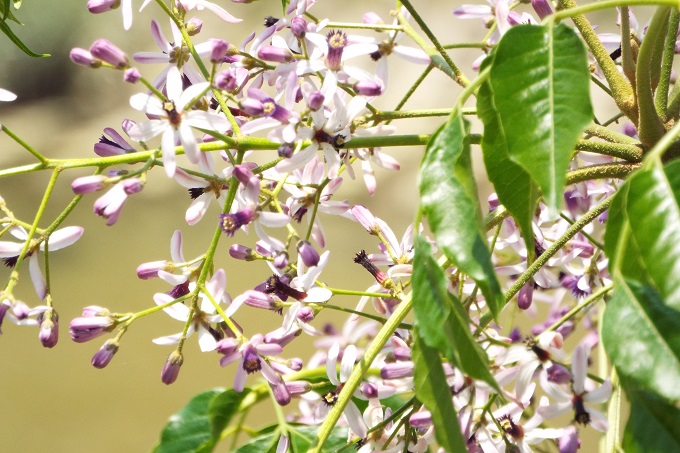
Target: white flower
x=175, y=120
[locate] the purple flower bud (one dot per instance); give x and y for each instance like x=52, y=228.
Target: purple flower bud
x=219, y=48
x=526, y=295
x=257, y=299
x=402, y=354
x=132, y=75
x=275, y=54
x=194, y=26
x=171, y=367
x=106, y=51
x=421, y=419
x=337, y=41
x=286, y=150
x=569, y=442
x=630, y=130
x=308, y=253
x=281, y=260
x=542, y=8
x=397, y=370
x=87, y=184
x=149, y=270
x=241, y=252
x=295, y=364
x=49, y=328
x=84, y=58
x=372, y=18
x=298, y=387
x=95, y=310
x=227, y=346
x=368, y=88
x=87, y=328
x=132, y=186
x=281, y=393
x=559, y=374
x=298, y=26
x=315, y=101
x=105, y=354
x=101, y=6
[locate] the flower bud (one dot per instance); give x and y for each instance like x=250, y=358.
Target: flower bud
x=194, y=26
x=171, y=367
x=105, y=354
x=542, y=8
x=132, y=75
x=275, y=54
x=49, y=328
x=106, y=51
x=88, y=184
x=525, y=296
x=101, y=6
x=84, y=58
x=219, y=48
x=368, y=88
x=315, y=100
x=308, y=254
x=298, y=26
x=132, y=186
x=149, y=270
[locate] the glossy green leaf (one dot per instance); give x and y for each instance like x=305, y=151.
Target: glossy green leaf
x=300, y=437
x=653, y=424
x=642, y=338
x=449, y=201
x=621, y=249
x=515, y=188
x=653, y=211
x=441, y=321
x=540, y=84
x=434, y=392
x=4, y=28
x=198, y=426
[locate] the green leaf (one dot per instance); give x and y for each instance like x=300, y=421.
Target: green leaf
x=653, y=211
x=222, y=409
x=198, y=426
x=301, y=439
x=540, y=84
x=515, y=188
x=434, y=392
x=653, y=424
x=642, y=338
x=449, y=201
x=4, y=28
x=441, y=321
x=621, y=249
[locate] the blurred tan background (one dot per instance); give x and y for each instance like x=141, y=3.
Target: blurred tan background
x=54, y=400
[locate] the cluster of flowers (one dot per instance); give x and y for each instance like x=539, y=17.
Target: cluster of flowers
x=295, y=82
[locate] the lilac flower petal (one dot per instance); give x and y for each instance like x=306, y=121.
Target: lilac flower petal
x=37, y=277
x=601, y=394
x=331, y=363
x=64, y=237
x=10, y=249
x=221, y=13
x=579, y=368
x=168, y=340
x=176, y=247
x=355, y=420
x=150, y=57
x=168, y=150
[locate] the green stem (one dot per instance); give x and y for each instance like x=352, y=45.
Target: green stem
x=360, y=371
x=661, y=96
x=380, y=319
x=631, y=153
x=24, y=145
x=353, y=25
x=662, y=145
x=621, y=88
x=440, y=58
x=580, y=307
x=596, y=130
x=413, y=87
x=650, y=126
x=627, y=61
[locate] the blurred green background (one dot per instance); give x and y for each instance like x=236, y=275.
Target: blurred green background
x=54, y=400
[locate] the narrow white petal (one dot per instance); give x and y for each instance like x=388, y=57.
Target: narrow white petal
x=64, y=237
